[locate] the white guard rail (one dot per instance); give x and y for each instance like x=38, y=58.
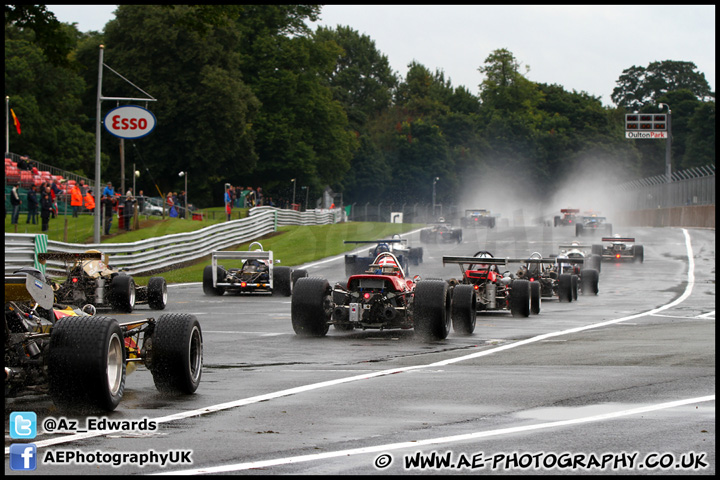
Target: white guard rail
x=159, y=253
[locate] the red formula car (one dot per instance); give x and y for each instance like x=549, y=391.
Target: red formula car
x=380, y=298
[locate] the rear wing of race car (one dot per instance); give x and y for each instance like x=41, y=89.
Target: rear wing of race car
x=618, y=239
x=578, y=247
x=28, y=288
x=393, y=240
x=250, y=255
x=69, y=257
x=569, y=210
x=571, y=260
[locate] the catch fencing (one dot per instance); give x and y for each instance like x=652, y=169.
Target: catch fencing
x=170, y=251
x=690, y=187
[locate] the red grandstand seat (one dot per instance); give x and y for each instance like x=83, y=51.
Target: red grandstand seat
x=26, y=178
x=12, y=174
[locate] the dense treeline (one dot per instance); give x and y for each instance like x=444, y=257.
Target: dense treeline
x=251, y=95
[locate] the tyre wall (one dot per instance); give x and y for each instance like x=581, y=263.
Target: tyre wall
x=702, y=216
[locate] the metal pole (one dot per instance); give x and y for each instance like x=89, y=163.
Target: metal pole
x=668, y=144
x=187, y=203
x=7, y=124
x=96, y=190
x=293, y=202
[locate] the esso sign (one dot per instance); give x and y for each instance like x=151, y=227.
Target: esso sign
x=129, y=121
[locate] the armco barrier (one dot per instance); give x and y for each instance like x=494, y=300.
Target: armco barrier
x=160, y=253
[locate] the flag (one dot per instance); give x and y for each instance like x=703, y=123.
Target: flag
x=15, y=121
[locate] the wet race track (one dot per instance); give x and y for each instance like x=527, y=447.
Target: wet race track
x=622, y=382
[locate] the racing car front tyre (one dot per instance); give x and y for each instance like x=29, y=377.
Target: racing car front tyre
x=86, y=363
x=565, y=288
x=122, y=293
x=283, y=281
x=176, y=353
x=520, y=298
x=208, y=287
x=157, y=293
x=638, y=253
x=432, y=310
x=590, y=278
x=297, y=274
x=535, y=294
x=311, y=307
x=464, y=309
x=578, y=230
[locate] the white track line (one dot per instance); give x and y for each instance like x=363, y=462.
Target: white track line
x=330, y=383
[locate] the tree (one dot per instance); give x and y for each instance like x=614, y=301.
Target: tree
x=640, y=87
x=700, y=150
x=51, y=37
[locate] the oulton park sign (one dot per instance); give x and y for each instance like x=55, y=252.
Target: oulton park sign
x=129, y=121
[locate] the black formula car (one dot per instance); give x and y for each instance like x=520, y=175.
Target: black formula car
x=82, y=360
x=559, y=278
x=478, y=218
x=381, y=298
x=89, y=280
x=592, y=225
x=256, y=273
x=441, y=233
x=617, y=249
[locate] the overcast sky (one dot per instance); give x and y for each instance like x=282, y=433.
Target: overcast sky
x=582, y=48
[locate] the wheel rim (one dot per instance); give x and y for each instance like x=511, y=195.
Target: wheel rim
x=115, y=364
x=195, y=354
x=164, y=295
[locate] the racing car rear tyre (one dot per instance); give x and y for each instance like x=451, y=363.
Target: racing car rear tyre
x=157, y=293
x=122, y=296
x=590, y=279
x=416, y=255
x=578, y=230
x=464, y=309
x=86, y=363
x=311, y=307
x=208, y=288
x=432, y=310
x=297, y=274
x=638, y=253
x=535, y=294
x=596, y=249
x=283, y=281
x=176, y=353
x=594, y=261
x=520, y=298
x=565, y=288
x=574, y=286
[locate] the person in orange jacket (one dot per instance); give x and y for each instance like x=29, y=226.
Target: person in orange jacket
x=76, y=199
x=90, y=201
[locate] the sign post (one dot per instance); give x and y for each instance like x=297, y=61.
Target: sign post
x=652, y=126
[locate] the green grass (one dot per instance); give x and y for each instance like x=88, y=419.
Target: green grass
x=292, y=245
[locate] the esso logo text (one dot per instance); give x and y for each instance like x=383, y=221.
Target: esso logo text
x=129, y=121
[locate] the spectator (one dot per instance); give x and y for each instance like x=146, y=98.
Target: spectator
x=76, y=199
x=15, y=201
x=108, y=191
x=83, y=188
x=129, y=209
x=260, y=197
x=53, y=197
x=46, y=206
x=90, y=201
x=32, y=205
x=240, y=201
x=181, y=204
x=170, y=205
x=108, y=202
x=23, y=163
x=250, y=198
x=228, y=201
x=141, y=201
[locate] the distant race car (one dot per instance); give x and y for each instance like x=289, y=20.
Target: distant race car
x=579, y=260
x=406, y=255
x=82, y=360
x=256, y=274
x=592, y=224
x=484, y=287
x=556, y=280
x=569, y=217
x=381, y=298
x=617, y=248
x=478, y=218
x=441, y=233
x=89, y=280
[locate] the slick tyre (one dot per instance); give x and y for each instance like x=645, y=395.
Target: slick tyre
x=157, y=293
x=86, y=363
x=520, y=298
x=311, y=307
x=208, y=288
x=565, y=288
x=297, y=274
x=431, y=310
x=122, y=293
x=590, y=280
x=464, y=309
x=535, y=294
x=176, y=353
x=282, y=281
x=638, y=254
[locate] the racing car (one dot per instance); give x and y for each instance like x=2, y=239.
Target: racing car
x=592, y=224
x=356, y=264
x=577, y=259
x=569, y=217
x=487, y=288
x=620, y=248
x=478, y=218
x=81, y=360
x=441, y=233
x=558, y=277
x=90, y=280
x=256, y=274
x=381, y=298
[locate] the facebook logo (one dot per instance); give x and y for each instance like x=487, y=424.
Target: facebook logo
x=23, y=425
x=23, y=456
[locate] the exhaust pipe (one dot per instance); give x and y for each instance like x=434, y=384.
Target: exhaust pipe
x=389, y=313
